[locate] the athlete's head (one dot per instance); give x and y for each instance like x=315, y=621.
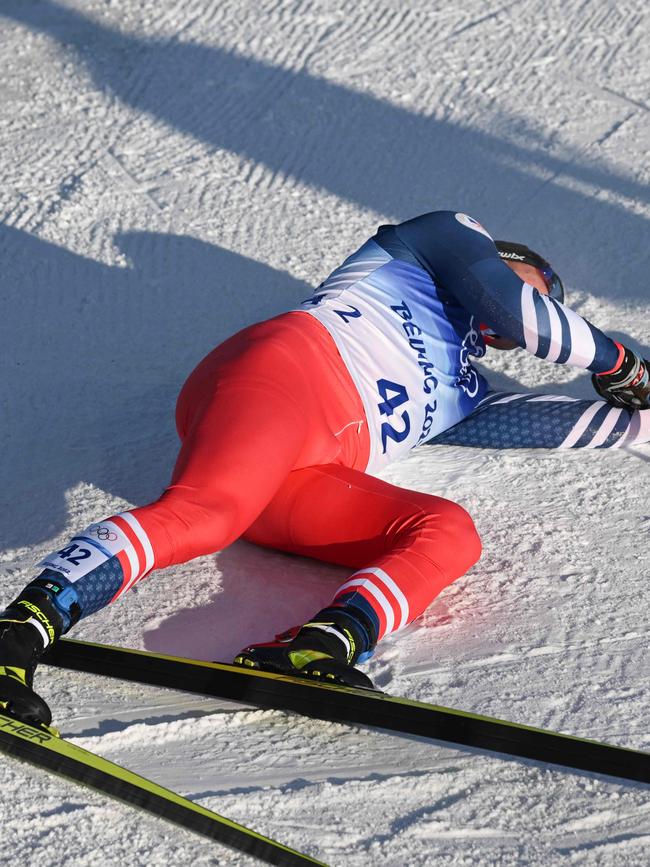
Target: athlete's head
x=531, y=268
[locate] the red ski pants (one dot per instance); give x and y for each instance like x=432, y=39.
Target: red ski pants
x=274, y=444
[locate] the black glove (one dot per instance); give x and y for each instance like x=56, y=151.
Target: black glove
x=628, y=385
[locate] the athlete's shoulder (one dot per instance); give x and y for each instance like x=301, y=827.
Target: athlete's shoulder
x=446, y=223
x=438, y=236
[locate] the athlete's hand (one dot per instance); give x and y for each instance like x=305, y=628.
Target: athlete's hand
x=628, y=385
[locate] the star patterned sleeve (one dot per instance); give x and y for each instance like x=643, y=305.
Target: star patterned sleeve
x=547, y=421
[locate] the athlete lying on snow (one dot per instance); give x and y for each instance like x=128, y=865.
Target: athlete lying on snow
x=377, y=361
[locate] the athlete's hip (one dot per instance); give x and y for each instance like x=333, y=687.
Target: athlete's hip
x=289, y=362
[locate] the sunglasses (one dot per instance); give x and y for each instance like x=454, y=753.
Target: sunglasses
x=554, y=284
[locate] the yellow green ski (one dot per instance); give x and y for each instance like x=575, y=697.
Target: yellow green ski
x=43, y=748
x=348, y=705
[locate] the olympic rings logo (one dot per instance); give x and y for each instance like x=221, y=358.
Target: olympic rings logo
x=103, y=534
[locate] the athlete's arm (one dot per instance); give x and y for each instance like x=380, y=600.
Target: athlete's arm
x=536, y=421
x=462, y=259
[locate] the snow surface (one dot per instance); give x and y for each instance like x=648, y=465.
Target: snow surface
x=174, y=169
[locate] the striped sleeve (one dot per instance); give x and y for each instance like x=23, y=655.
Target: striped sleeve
x=541, y=325
x=529, y=421
x=556, y=333
x=462, y=258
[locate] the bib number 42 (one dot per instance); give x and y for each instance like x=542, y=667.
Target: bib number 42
x=393, y=396
x=74, y=554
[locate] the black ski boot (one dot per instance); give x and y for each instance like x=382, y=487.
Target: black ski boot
x=324, y=649
x=27, y=627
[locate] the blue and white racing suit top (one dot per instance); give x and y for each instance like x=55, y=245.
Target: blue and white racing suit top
x=404, y=312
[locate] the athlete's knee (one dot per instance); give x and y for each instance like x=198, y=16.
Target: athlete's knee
x=463, y=535
x=445, y=532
